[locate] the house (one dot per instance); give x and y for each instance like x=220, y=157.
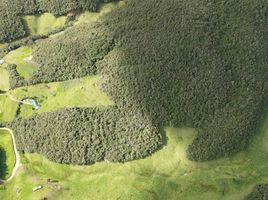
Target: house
x=2, y=61
x=34, y=104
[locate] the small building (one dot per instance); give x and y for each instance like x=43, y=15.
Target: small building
x=36, y=188
x=34, y=104
x=2, y=61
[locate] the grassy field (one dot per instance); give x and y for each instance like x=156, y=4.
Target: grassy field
x=43, y=24
x=20, y=57
x=7, y=108
x=7, y=144
x=165, y=175
x=4, y=78
x=75, y=93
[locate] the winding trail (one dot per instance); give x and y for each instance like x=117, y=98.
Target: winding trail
x=17, y=155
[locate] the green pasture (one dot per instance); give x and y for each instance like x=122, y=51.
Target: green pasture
x=167, y=174
x=74, y=93
x=22, y=58
x=7, y=108
x=7, y=161
x=4, y=78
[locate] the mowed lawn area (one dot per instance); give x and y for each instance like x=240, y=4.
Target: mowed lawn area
x=167, y=174
x=8, y=159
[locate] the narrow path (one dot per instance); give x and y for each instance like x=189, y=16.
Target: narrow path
x=13, y=98
x=17, y=155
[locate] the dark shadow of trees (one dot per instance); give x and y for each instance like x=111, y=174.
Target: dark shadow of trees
x=3, y=165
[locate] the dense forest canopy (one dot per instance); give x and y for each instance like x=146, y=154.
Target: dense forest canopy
x=87, y=135
x=197, y=64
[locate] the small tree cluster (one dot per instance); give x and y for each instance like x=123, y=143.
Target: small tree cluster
x=15, y=80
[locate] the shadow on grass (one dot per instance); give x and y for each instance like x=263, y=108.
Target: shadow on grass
x=3, y=165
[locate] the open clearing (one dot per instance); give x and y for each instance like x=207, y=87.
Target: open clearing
x=20, y=57
x=164, y=175
x=43, y=24
x=75, y=93
x=7, y=144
